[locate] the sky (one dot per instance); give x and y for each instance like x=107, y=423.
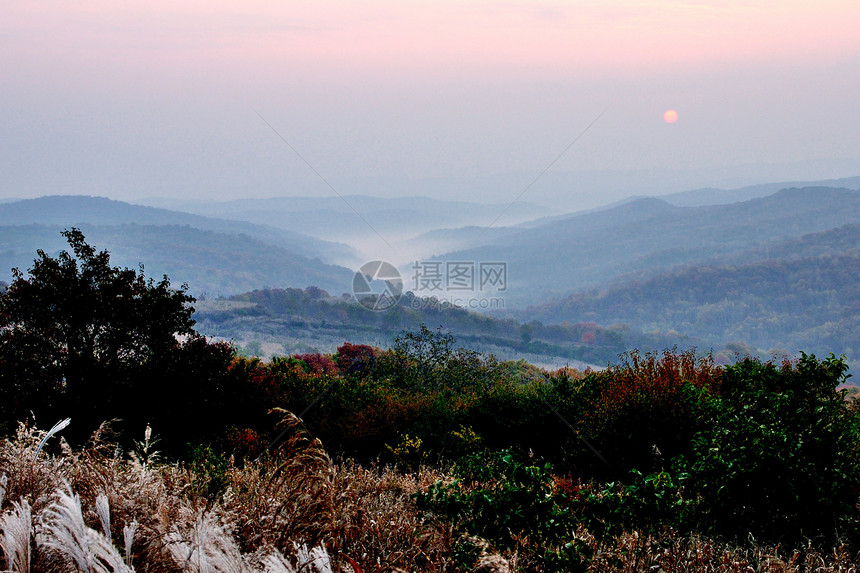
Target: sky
x=560, y=103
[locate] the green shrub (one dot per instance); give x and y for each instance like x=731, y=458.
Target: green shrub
x=512, y=504
x=650, y=503
x=778, y=456
x=209, y=473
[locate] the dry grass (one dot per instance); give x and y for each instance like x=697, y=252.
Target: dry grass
x=96, y=510
x=634, y=553
x=377, y=524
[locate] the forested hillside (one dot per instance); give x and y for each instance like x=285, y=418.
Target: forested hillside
x=649, y=236
x=283, y=321
x=210, y=262
x=807, y=299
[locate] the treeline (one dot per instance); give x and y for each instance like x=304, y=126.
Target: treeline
x=290, y=312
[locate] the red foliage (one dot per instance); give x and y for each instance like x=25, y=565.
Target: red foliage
x=256, y=374
x=318, y=363
x=245, y=443
x=651, y=385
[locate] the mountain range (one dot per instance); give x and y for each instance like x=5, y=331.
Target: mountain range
x=649, y=235
x=375, y=226
x=213, y=256
x=769, y=267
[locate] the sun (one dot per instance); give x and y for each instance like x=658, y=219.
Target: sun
x=671, y=116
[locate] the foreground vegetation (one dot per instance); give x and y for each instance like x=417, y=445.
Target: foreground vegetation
x=424, y=456
x=98, y=509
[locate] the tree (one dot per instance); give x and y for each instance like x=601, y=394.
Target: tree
x=77, y=334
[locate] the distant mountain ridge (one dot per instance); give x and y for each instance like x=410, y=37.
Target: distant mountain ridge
x=75, y=209
x=714, y=196
x=390, y=228
x=213, y=256
x=650, y=236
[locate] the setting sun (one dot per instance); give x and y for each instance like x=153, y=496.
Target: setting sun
x=671, y=116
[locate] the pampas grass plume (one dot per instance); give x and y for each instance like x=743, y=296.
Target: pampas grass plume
x=17, y=529
x=103, y=511
x=64, y=531
x=57, y=427
x=128, y=537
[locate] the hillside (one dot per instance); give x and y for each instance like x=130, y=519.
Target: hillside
x=68, y=210
x=210, y=262
x=214, y=256
x=802, y=295
x=287, y=321
x=650, y=236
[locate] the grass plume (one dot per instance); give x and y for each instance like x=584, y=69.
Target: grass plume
x=64, y=533
x=16, y=532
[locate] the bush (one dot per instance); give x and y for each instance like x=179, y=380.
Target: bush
x=511, y=503
x=642, y=411
x=778, y=453
x=651, y=503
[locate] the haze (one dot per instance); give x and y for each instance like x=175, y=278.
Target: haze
x=468, y=100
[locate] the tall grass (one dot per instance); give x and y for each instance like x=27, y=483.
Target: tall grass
x=66, y=539
x=295, y=511
x=17, y=530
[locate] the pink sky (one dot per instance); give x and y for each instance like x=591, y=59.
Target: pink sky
x=100, y=94
x=444, y=36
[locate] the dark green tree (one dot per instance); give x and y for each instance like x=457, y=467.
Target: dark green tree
x=77, y=334
x=429, y=361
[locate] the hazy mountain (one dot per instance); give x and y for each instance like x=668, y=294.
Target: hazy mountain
x=372, y=224
x=650, y=235
x=713, y=196
x=213, y=256
x=437, y=213
x=77, y=209
x=211, y=263
x=568, y=191
x=434, y=243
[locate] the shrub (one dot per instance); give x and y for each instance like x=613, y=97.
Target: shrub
x=778, y=453
x=650, y=503
x=642, y=412
x=511, y=503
